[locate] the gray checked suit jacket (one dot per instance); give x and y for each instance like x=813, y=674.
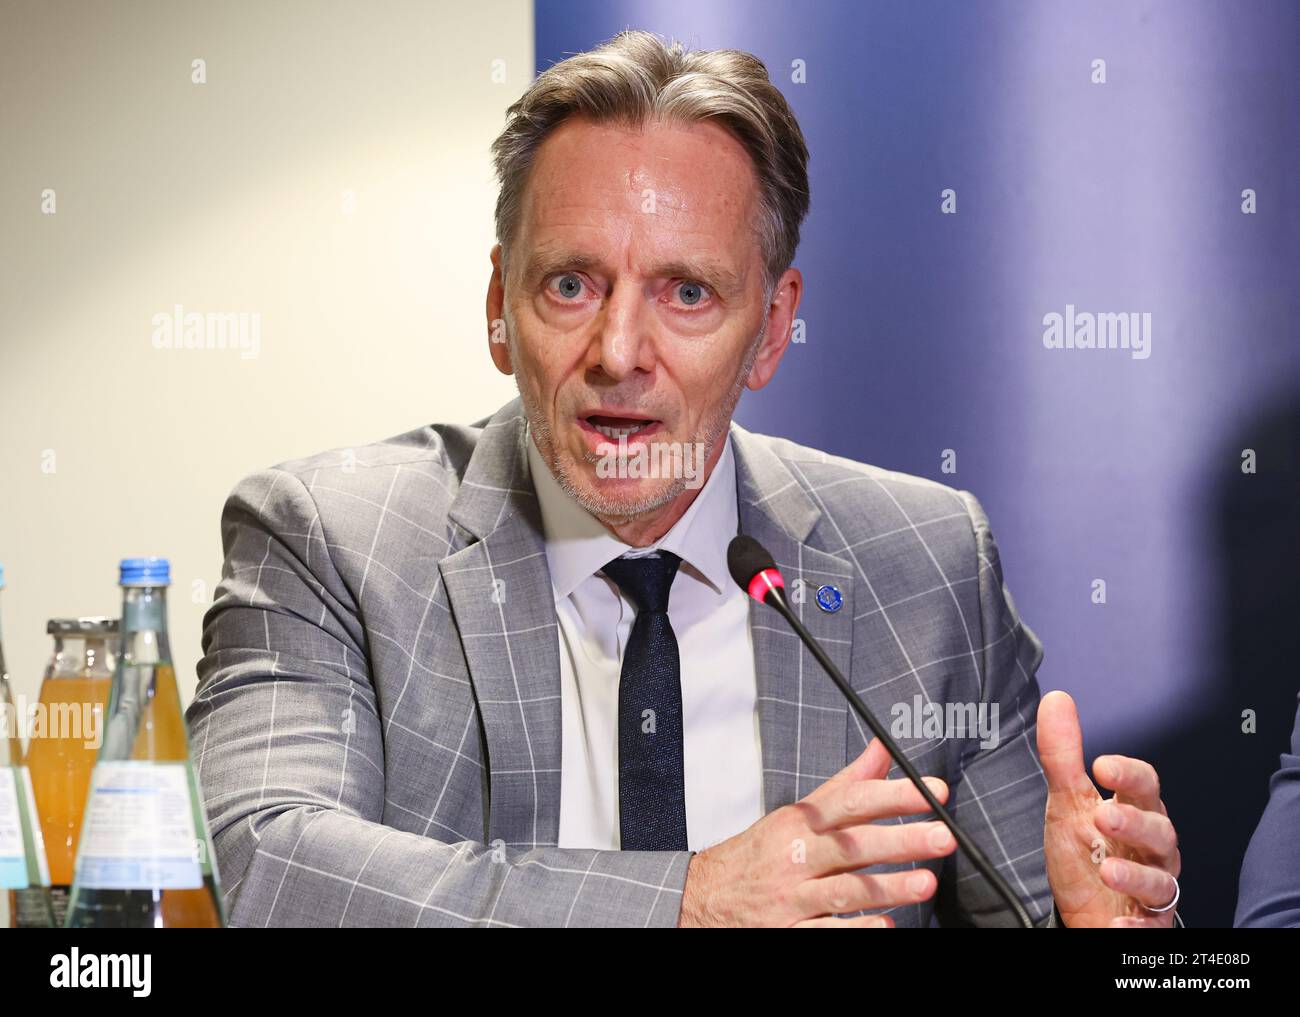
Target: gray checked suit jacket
x=377, y=723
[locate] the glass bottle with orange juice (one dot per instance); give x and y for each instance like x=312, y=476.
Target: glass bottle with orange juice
x=64, y=734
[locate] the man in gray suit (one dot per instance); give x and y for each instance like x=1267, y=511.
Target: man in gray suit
x=496, y=674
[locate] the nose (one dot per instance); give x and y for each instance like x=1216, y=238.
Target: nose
x=623, y=342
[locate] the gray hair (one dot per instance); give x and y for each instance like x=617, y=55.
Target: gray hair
x=635, y=78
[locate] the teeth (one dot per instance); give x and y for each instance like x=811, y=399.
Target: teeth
x=617, y=432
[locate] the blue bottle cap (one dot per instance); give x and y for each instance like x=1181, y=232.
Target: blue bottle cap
x=145, y=572
x=2, y=577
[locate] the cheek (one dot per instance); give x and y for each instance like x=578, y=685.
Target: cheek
x=550, y=354
x=543, y=368
x=703, y=379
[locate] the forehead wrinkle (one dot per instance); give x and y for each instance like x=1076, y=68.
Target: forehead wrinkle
x=669, y=247
x=610, y=208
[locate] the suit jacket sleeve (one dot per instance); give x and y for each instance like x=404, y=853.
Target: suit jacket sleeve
x=1269, y=891
x=1000, y=794
x=290, y=757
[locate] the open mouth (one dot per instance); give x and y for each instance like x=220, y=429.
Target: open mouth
x=616, y=427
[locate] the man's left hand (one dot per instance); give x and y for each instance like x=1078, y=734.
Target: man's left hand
x=1106, y=858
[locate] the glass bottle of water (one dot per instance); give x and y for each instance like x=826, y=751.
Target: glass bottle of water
x=145, y=857
x=24, y=876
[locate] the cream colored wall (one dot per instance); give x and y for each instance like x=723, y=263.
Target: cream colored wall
x=229, y=196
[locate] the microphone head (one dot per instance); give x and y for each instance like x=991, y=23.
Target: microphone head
x=747, y=558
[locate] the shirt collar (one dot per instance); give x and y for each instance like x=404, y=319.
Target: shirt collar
x=578, y=545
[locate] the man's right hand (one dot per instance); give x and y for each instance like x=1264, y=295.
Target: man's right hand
x=796, y=866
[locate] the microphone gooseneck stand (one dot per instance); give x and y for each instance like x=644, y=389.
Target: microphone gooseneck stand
x=755, y=571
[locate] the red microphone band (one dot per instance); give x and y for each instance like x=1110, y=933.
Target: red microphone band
x=764, y=582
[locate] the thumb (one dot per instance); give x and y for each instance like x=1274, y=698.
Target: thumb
x=1060, y=744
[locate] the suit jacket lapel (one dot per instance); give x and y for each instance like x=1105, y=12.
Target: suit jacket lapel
x=499, y=588
x=803, y=717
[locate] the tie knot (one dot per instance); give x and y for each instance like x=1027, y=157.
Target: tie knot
x=646, y=581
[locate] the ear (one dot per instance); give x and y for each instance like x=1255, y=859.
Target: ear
x=498, y=347
x=780, y=324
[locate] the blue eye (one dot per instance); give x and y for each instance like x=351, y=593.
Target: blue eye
x=570, y=285
x=691, y=293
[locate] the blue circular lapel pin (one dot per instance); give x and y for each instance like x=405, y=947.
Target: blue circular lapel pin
x=829, y=599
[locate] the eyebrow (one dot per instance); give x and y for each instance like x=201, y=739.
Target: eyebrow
x=543, y=264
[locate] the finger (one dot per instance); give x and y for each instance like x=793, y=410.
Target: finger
x=864, y=800
x=1146, y=884
x=857, y=847
x=1137, y=922
x=1134, y=781
x=1150, y=833
x=846, y=892
x=1060, y=744
x=872, y=764
x=856, y=922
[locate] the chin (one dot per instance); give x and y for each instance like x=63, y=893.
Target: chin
x=625, y=498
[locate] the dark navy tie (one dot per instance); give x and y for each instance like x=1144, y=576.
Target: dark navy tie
x=651, y=772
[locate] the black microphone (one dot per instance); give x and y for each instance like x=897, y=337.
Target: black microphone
x=755, y=572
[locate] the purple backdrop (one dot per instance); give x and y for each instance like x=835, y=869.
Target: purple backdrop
x=925, y=333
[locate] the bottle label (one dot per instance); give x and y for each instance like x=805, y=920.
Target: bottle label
x=32, y=909
x=139, y=831
x=13, y=854
x=17, y=854
x=59, y=904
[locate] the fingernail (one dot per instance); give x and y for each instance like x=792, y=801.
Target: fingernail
x=918, y=884
x=1114, y=816
x=940, y=838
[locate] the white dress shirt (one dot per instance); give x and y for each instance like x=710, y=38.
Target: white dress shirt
x=710, y=617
